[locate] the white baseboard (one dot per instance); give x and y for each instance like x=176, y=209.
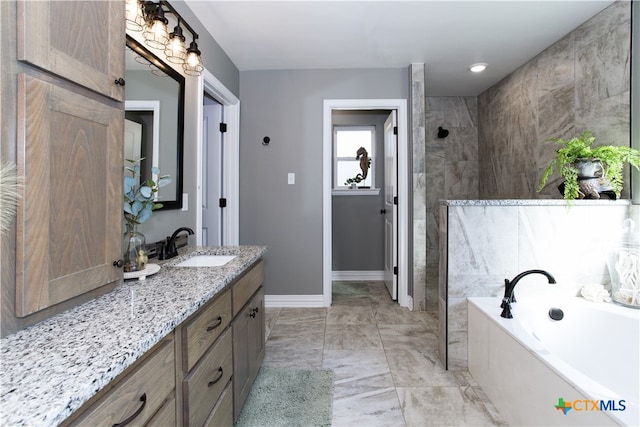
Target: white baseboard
x=357, y=275
x=293, y=301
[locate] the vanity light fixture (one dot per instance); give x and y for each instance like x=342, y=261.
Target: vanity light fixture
x=479, y=67
x=134, y=16
x=153, y=15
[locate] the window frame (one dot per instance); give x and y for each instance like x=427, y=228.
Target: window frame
x=371, y=153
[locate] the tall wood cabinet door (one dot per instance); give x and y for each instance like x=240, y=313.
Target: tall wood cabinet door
x=82, y=41
x=69, y=219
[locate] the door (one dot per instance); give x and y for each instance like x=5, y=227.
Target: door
x=81, y=41
x=390, y=205
x=69, y=155
x=211, y=173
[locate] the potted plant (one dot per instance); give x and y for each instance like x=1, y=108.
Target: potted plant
x=589, y=171
x=353, y=182
x=139, y=202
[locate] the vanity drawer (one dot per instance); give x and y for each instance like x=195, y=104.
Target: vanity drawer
x=204, y=385
x=204, y=329
x=222, y=414
x=139, y=394
x=166, y=416
x=246, y=286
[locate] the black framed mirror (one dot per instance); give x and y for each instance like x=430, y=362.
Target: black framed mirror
x=154, y=119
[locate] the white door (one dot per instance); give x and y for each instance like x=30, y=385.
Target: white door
x=132, y=141
x=211, y=173
x=390, y=206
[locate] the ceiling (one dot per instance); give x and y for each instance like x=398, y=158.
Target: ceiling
x=447, y=36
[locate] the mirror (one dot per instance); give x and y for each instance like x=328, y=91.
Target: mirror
x=154, y=119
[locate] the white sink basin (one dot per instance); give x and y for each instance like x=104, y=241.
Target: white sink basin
x=206, y=261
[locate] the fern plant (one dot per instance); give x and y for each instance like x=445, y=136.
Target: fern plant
x=612, y=158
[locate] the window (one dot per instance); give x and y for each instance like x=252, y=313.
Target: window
x=347, y=140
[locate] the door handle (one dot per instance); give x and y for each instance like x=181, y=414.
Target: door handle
x=383, y=211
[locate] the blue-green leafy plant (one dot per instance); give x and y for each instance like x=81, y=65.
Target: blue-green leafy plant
x=139, y=196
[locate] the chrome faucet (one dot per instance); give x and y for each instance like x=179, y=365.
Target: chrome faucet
x=169, y=250
x=509, y=286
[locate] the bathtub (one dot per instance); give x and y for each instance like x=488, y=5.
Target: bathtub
x=590, y=359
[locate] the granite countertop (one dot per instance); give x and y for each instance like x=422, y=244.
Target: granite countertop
x=534, y=202
x=50, y=369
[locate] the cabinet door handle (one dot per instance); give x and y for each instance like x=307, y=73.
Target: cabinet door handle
x=218, y=323
x=143, y=399
x=252, y=313
x=120, y=81
x=218, y=378
x=118, y=263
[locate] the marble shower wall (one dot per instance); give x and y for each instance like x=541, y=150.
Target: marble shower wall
x=582, y=82
x=492, y=240
x=451, y=170
x=419, y=208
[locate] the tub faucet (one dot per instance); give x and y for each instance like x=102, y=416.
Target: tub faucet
x=170, y=245
x=509, y=286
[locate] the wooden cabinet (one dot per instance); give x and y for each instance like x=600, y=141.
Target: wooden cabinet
x=204, y=328
x=68, y=150
x=199, y=375
x=143, y=394
x=248, y=336
x=69, y=217
x=207, y=363
x=204, y=385
x=81, y=41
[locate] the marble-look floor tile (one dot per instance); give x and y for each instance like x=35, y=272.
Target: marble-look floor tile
x=396, y=315
x=301, y=358
x=385, y=373
x=411, y=368
x=305, y=336
x=412, y=337
x=351, y=300
x=366, y=407
x=352, y=337
x=444, y=406
x=350, y=315
x=358, y=368
x=296, y=316
x=270, y=319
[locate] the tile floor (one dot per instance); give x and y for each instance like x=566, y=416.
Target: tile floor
x=385, y=359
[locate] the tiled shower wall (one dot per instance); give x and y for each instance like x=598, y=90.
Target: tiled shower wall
x=452, y=169
x=581, y=82
x=496, y=149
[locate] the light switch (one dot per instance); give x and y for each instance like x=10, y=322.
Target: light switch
x=185, y=201
x=291, y=178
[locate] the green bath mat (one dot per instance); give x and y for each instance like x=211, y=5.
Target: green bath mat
x=349, y=288
x=289, y=397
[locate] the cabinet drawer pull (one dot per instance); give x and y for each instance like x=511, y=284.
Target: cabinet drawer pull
x=143, y=399
x=218, y=378
x=218, y=323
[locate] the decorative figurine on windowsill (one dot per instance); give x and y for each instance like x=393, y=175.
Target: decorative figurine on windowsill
x=365, y=164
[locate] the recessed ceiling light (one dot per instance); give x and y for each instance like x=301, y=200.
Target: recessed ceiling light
x=476, y=68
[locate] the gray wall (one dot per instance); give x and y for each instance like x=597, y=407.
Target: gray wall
x=358, y=226
x=286, y=105
x=579, y=83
